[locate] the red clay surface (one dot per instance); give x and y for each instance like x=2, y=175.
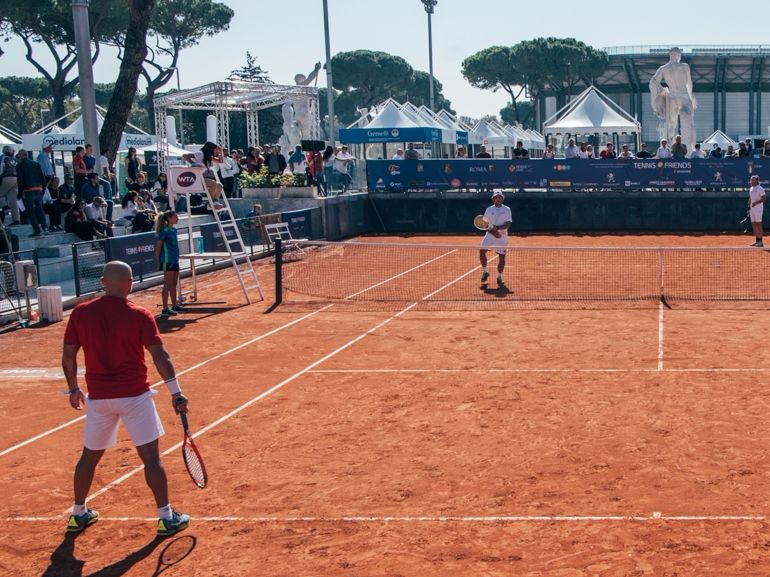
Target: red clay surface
x=372, y=443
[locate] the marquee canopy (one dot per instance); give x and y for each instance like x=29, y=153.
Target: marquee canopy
x=592, y=112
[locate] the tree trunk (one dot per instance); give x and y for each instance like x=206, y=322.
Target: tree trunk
x=151, y=107
x=134, y=53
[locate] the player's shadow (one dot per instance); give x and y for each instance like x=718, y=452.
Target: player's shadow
x=65, y=564
x=498, y=292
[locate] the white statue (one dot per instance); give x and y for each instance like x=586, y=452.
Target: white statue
x=296, y=115
x=302, y=80
x=292, y=132
x=672, y=98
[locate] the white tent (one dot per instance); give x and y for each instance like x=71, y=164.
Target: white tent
x=592, y=112
x=390, y=115
x=485, y=133
x=4, y=140
x=720, y=139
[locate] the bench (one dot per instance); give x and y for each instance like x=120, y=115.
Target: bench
x=280, y=230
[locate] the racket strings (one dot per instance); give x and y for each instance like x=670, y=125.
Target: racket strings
x=194, y=464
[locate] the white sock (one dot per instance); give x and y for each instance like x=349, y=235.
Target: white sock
x=165, y=512
x=79, y=509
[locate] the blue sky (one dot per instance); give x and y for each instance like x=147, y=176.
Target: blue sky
x=287, y=37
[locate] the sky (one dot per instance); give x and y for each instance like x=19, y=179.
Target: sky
x=287, y=37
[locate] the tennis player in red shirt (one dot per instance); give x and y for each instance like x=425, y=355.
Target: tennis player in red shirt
x=113, y=333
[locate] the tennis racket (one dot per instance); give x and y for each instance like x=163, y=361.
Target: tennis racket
x=746, y=222
x=480, y=223
x=192, y=457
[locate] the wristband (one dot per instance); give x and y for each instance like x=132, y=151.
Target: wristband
x=71, y=391
x=173, y=386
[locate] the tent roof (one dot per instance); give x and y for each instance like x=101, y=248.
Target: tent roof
x=494, y=136
x=720, y=139
x=591, y=112
x=391, y=116
x=170, y=149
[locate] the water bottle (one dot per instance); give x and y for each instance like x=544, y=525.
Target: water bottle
x=200, y=244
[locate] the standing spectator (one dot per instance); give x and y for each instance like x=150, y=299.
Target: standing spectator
x=626, y=152
x=79, y=168
x=679, y=148
x=8, y=184
x=133, y=166
x=118, y=390
x=520, y=152
x=44, y=160
x=483, y=153
x=590, y=152
x=609, y=151
x=697, y=152
x=731, y=153
x=276, y=161
x=107, y=174
x=742, y=151
x=328, y=158
x=91, y=166
x=461, y=152
x=51, y=205
x=583, y=152
x=96, y=215
x=549, y=153
x=317, y=172
x=89, y=158
x=343, y=161
x=227, y=171
x=765, y=151
x=297, y=164
x=749, y=147
x=716, y=152
x=31, y=183
x=756, y=202
x=411, y=153
x=643, y=152
x=571, y=151
x=663, y=150
x=167, y=253
x=235, y=155
x=399, y=154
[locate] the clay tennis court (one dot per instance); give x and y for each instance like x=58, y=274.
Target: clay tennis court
x=407, y=440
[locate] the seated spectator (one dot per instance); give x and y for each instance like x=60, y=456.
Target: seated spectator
x=461, y=152
x=399, y=154
x=97, y=216
x=583, y=152
x=520, y=152
x=411, y=153
x=91, y=189
x=731, y=152
x=51, y=205
x=67, y=193
x=590, y=151
x=663, y=150
x=716, y=152
x=643, y=152
x=679, y=148
x=549, y=153
x=766, y=150
x=160, y=189
x=609, y=151
x=697, y=152
x=571, y=151
x=743, y=151
x=749, y=147
x=77, y=223
x=139, y=184
x=148, y=203
x=483, y=153
x=625, y=152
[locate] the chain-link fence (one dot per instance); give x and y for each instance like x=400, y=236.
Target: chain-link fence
x=12, y=298
x=88, y=260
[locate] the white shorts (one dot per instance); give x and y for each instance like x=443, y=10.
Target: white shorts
x=755, y=212
x=138, y=414
x=499, y=244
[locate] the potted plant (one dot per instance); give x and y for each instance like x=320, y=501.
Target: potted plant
x=262, y=184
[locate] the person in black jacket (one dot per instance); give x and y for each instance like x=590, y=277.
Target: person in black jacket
x=31, y=182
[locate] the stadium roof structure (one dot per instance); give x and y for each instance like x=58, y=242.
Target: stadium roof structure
x=591, y=113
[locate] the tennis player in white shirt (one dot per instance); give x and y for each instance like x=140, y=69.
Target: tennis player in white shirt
x=756, y=205
x=499, y=218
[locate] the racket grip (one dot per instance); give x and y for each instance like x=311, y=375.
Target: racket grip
x=184, y=421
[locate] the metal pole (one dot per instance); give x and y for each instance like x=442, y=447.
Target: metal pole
x=279, y=270
x=86, y=74
x=430, y=60
x=329, y=83
x=180, y=132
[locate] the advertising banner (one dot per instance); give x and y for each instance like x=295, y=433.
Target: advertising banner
x=616, y=174
x=137, y=250
x=69, y=142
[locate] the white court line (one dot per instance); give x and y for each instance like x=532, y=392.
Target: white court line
x=660, y=335
x=426, y=519
x=534, y=370
x=180, y=373
x=275, y=388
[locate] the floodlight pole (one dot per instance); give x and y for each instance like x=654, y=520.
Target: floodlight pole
x=329, y=83
x=86, y=74
x=429, y=7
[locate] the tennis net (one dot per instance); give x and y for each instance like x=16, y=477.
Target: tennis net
x=359, y=271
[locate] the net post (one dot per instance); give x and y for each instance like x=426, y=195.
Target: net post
x=278, y=271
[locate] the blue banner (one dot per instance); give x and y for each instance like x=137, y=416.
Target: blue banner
x=300, y=222
x=212, y=238
x=616, y=174
x=136, y=250
x=365, y=135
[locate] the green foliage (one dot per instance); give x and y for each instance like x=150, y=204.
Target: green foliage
x=525, y=111
x=263, y=179
x=558, y=64
x=250, y=72
x=374, y=76
x=418, y=92
x=21, y=101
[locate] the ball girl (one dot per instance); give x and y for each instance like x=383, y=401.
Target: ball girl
x=167, y=252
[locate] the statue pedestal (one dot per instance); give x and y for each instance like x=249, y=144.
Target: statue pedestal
x=280, y=192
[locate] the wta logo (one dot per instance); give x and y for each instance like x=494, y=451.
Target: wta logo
x=186, y=179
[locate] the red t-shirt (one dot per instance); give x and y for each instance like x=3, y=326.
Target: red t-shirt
x=79, y=165
x=113, y=332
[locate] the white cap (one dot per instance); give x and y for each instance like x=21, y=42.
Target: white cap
x=498, y=193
